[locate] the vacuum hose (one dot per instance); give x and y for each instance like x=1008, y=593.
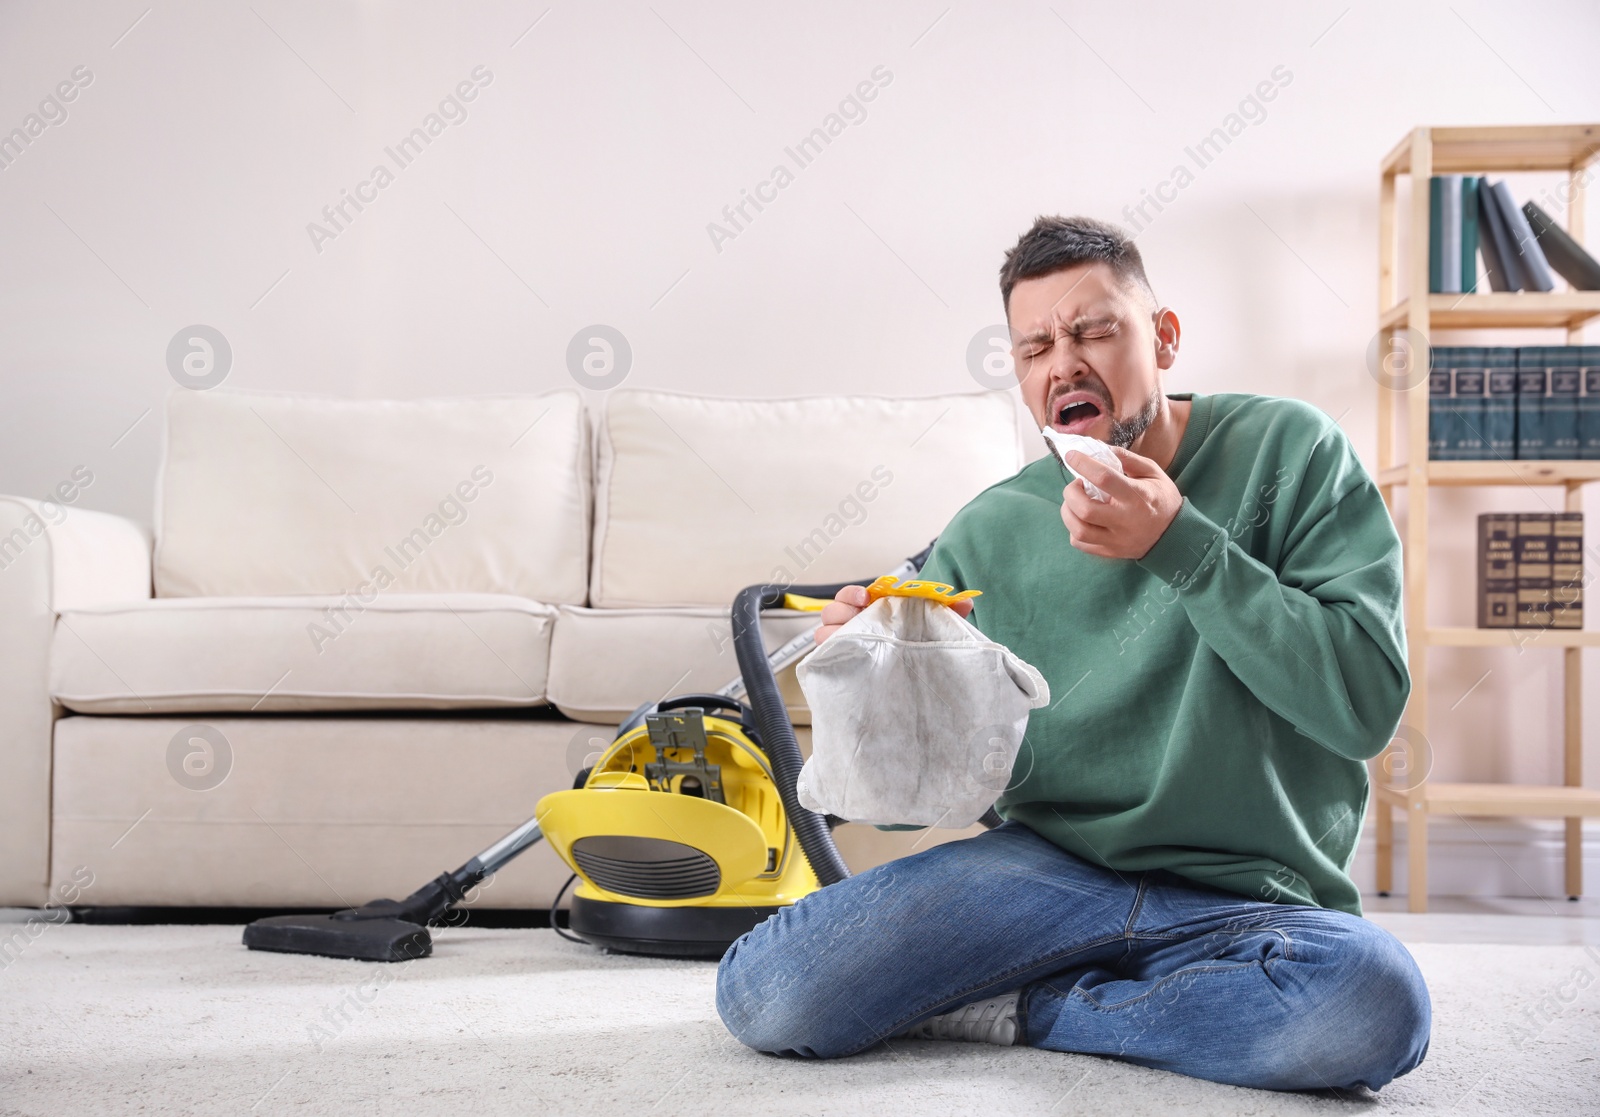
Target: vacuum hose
x=777, y=733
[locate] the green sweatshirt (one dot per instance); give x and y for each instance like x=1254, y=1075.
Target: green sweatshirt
x=1212, y=702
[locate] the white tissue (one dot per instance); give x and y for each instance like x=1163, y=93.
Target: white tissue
x=1059, y=445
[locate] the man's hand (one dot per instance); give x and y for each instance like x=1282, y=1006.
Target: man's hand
x=851, y=600
x=1143, y=501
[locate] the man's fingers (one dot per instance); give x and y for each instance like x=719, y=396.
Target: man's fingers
x=1136, y=465
x=849, y=602
x=837, y=612
x=1081, y=530
x=1084, y=506
x=1091, y=539
x=1102, y=476
x=852, y=595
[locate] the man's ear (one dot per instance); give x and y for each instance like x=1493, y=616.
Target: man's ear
x=1168, y=333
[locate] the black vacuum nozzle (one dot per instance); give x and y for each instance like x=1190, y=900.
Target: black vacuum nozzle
x=367, y=939
x=380, y=931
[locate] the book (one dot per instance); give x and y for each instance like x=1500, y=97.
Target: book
x=1500, y=404
x=1533, y=384
x=1565, y=255
x=1499, y=254
x=1530, y=570
x=1589, y=402
x=1467, y=405
x=1441, y=416
x=1531, y=264
x=1450, y=235
x=1469, y=234
x=1566, y=570
x=1534, y=536
x=1436, y=234
x=1497, y=570
x=1561, y=403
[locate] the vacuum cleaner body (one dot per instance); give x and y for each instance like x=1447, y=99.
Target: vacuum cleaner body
x=686, y=833
x=677, y=834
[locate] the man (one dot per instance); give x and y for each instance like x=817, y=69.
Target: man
x=1223, y=637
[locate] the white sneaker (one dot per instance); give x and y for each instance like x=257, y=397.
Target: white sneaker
x=990, y=1021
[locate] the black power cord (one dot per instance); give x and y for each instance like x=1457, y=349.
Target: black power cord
x=555, y=924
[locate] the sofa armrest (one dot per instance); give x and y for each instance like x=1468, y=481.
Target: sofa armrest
x=52, y=558
x=86, y=558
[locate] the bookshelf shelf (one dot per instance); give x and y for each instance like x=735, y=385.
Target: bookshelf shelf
x=1501, y=799
x=1546, y=147
x=1513, y=638
x=1498, y=473
x=1501, y=310
x=1425, y=152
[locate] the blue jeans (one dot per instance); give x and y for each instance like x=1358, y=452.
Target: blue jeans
x=1143, y=966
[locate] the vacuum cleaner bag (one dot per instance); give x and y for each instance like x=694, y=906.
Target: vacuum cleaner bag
x=916, y=717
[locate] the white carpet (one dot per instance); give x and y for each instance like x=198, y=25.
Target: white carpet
x=185, y=1020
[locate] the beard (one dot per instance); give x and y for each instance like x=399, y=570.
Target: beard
x=1125, y=432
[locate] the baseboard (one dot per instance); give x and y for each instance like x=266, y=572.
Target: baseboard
x=1485, y=857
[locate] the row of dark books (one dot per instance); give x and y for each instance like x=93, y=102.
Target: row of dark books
x=1520, y=247
x=1538, y=402
x=1530, y=570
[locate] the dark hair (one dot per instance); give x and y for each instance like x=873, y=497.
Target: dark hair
x=1056, y=243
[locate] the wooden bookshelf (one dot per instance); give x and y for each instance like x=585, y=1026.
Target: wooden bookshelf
x=1498, y=473
x=1513, y=638
x=1498, y=800
x=1421, y=154
x=1502, y=310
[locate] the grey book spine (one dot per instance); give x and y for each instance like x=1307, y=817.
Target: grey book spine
x=1535, y=270
x=1499, y=254
x=1566, y=256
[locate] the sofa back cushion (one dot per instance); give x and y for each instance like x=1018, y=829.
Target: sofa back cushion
x=281, y=494
x=696, y=498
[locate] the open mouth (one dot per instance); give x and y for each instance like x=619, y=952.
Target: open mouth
x=1076, y=413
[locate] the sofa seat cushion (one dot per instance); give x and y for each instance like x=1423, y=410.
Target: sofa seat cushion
x=604, y=663
x=261, y=654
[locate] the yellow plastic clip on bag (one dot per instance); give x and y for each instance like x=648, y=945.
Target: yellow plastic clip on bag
x=916, y=716
x=942, y=592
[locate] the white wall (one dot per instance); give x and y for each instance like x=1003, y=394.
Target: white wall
x=580, y=186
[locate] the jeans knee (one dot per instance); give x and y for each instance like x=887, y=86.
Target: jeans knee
x=759, y=1002
x=1372, y=1022
x=1407, y=1012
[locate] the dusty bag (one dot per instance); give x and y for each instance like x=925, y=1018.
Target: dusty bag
x=916, y=716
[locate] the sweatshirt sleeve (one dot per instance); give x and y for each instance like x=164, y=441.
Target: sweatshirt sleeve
x=1321, y=639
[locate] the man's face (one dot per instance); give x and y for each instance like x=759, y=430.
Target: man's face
x=1087, y=353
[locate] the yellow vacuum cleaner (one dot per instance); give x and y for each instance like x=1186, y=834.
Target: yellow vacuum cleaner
x=684, y=834
x=678, y=834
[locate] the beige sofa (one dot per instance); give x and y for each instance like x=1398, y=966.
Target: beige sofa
x=370, y=634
